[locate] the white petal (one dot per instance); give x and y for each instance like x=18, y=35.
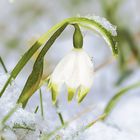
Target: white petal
x=87, y=70
x=75, y=69
x=63, y=69
x=83, y=71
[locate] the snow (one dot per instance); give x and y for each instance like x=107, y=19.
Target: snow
x=128, y=117
x=8, y=135
x=122, y=124
x=20, y=117
x=102, y=131
x=105, y=23
x=8, y=99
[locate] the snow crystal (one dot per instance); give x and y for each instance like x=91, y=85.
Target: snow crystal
x=9, y=98
x=102, y=131
x=105, y=23
x=8, y=101
x=122, y=124
x=126, y=115
x=8, y=135
x=22, y=116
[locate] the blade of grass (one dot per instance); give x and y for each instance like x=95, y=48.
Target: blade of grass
x=61, y=118
x=59, y=113
x=114, y=100
x=3, y=65
x=101, y=117
x=34, y=78
x=19, y=126
x=26, y=57
x=8, y=115
x=69, y=122
x=36, y=109
x=110, y=106
x=41, y=104
x=132, y=45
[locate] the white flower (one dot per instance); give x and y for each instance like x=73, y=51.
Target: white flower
x=76, y=71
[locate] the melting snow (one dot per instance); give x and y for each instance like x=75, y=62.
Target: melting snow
x=122, y=124
x=105, y=23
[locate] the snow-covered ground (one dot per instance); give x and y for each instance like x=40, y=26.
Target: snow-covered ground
x=29, y=19
x=122, y=124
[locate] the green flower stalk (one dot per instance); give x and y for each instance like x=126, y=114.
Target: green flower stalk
x=77, y=37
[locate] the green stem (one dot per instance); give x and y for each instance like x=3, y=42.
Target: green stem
x=35, y=77
x=36, y=109
x=55, y=131
x=8, y=115
x=80, y=131
x=107, y=110
x=94, y=121
x=114, y=100
x=18, y=126
x=3, y=65
x=77, y=37
x=61, y=118
x=41, y=103
x=59, y=114
x=100, y=118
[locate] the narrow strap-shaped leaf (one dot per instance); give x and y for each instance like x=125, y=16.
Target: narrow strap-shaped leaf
x=35, y=77
x=8, y=115
x=32, y=82
x=114, y=100
x=41, y=103
x=26, y=57
x=3, y=65
x=21, y=64
x=82, y=21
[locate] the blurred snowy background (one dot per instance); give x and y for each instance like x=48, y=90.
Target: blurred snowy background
x=24, y=21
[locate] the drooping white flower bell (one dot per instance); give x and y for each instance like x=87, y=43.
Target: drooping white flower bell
x=76, y=71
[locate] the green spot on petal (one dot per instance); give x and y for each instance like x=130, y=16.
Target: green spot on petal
x=71, y=92
x=49, y=85
x=82, y=92
x=54, y=91
x=48, y=79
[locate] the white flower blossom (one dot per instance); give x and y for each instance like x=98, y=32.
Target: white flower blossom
x=76, y=71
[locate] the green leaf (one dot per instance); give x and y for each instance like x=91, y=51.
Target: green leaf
x=27, y=56
x=3, y=65
x=8, y=115
x=123, y=76
x=32, y=82
x=34, y=79
x=114, y=100
x=41, y=103
x=132, y=45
